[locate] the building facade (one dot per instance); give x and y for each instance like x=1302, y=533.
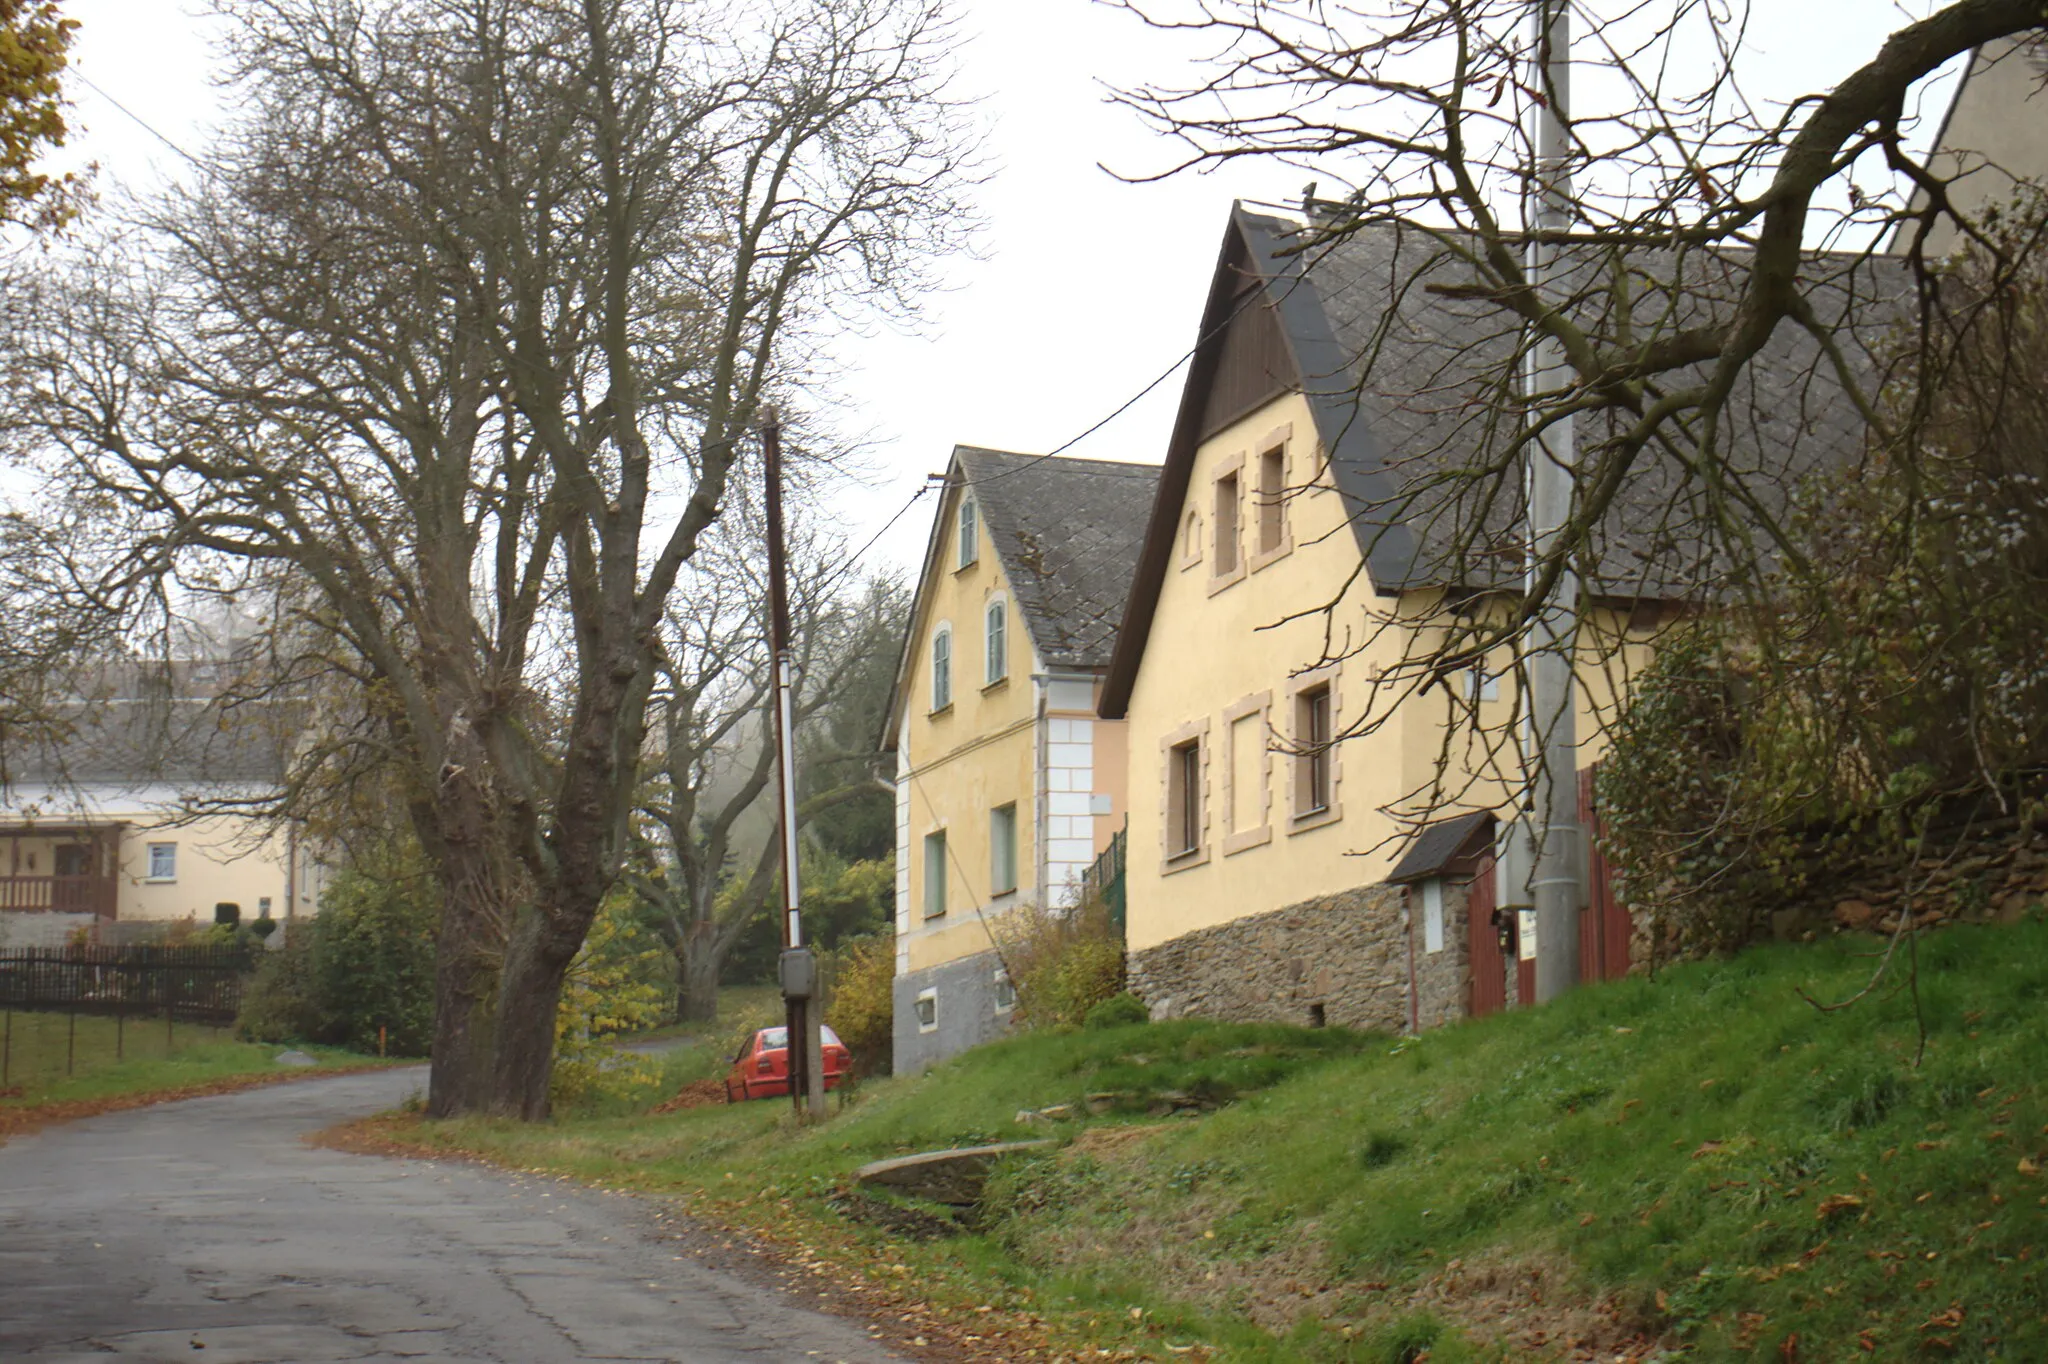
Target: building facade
x=1008, y=786
x=142, y=812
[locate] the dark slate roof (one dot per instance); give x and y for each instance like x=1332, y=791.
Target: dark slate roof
x=1437, y=846
x=139, y=741
x=1068, y=533
x=1402, y=381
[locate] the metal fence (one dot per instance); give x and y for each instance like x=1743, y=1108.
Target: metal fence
x=1105, y=879
x=196, y=984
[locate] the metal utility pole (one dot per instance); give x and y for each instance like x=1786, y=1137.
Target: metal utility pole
x=1550, y=735
x=798, y=967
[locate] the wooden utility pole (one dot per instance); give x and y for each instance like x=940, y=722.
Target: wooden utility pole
x=1550, y=736
x=798, y=967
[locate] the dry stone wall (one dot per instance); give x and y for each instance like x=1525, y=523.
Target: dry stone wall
x=1340, y=959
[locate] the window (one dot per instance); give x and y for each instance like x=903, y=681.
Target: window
x=1482, y=685
x=927, y=1010
x=163, y=861
x=1005, y=992
x=1272, y=500
x=942, y=668
x=970, y=534
x=1226, y=525
x=935, y=874
x=1433, y=915
x=1002, y=849
x=1312, y=731
x=996, y=633
x=1191, y=538
x=1184, y=798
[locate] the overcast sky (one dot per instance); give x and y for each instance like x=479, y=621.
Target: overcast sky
x=1087, y=287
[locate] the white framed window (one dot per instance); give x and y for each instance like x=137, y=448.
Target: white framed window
x=927, y=1010
x=969, y=538
x=1005, y=991
x=163, y=861
x=1002, y=849
x=942, y=667
x=1433, y=915
x=935, y=874
x=996, y=642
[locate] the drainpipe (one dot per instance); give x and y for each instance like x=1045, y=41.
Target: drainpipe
x=1041, y=755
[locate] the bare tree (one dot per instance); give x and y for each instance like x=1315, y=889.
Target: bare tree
x=1729, y=293
x=464, y=332
x=710, y=758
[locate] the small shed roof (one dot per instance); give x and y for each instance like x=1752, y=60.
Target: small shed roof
x=1437, y=848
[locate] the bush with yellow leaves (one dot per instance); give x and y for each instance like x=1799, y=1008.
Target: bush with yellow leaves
x=620, y=983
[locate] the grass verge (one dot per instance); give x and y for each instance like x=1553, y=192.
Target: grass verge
x=58, y=1068
x=1702, y=1166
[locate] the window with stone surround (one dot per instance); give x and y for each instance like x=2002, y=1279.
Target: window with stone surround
x=1227, y=498
x=1183, y=797
x=1314, y=748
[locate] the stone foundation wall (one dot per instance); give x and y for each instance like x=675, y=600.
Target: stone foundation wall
x=1346, y=952
x=1443, y=992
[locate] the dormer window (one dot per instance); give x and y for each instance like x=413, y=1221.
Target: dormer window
x=970, y=534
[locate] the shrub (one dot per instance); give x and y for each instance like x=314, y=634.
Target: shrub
x=278, y=1003
x=365, y=962
x=373, y=960
x=1062, y=962
x=862, y=1005
x=620, y=982
x=1118, y=1011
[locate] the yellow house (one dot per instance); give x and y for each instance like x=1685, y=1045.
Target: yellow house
x=133, y=819
x=1311, y=815
x=1007, y=785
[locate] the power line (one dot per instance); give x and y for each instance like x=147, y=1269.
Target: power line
x=134, y=117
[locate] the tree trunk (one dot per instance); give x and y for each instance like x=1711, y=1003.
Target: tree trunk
x=701, y=962
x=456, y=829
x=536, y=963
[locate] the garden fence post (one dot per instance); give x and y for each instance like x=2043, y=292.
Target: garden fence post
x=71, y=1042
x=7, y=1050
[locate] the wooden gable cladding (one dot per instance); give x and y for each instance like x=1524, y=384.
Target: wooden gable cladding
x=1254, y=363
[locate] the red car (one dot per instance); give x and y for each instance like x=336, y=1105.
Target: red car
x=761, y=1070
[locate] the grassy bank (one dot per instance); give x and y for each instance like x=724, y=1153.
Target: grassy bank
x=54, y=1059
x=1703, y=1165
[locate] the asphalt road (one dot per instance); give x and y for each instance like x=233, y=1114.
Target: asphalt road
x=207, y=1232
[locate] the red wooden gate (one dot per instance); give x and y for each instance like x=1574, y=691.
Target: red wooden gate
x=1605, y=927
x=1489, y=980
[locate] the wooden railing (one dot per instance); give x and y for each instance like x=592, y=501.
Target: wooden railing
x=69, y=894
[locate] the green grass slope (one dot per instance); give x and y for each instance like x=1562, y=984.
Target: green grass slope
x=1702, y=1166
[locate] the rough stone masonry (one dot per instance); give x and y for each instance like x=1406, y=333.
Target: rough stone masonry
x=1346, y=952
